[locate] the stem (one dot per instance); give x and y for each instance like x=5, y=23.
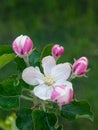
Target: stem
x=26, y=98
x=43, y=105
x=56, y=58
x=26, y=60
x=71, y=77
x=25, y=89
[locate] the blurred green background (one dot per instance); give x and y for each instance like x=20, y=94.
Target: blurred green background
x=71, y=23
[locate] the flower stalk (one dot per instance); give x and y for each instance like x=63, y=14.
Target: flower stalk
x=26, y=98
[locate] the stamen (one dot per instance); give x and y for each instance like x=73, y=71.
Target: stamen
x=49, y=81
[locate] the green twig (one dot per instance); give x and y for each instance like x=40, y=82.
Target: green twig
x=26, y=98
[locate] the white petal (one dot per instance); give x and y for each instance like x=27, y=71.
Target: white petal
x=23, y=39
x=20, y=41
x=61, y=71
x=32, y=76
x=68, y=84
x=43, y=91
x=48, y=63
x=63, y=82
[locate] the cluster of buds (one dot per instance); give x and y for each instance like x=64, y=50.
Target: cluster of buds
x=54, y=84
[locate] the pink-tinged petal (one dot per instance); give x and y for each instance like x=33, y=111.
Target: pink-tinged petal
x=63, y=100
x=55, y=94
x=71, y=93
x=79, y=67
x=43, y=91
x=32, y=76
x=84, y=59
x=63, y=94
x=57, y=50
x=28, y=45
x=16, y=48
x=48, y=63
x=67, y=98
x=20, y=41
x=61, y=72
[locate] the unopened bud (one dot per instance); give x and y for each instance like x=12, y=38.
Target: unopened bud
x=22, y=45
x=79, y=67
x=57, y=50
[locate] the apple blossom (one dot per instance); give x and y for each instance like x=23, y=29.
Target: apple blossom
x=79, y=67
x=63, y=94
x=22, y=45
x=53, y=75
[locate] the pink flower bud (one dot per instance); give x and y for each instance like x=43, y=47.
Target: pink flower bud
x=79, y=67
x=22, y=45
x=62, y=94
x=57, y=50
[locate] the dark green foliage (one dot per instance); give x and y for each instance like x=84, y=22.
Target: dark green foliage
x=20, y=64
x=24, y=120
x=44, y=121
x=10, y=87
x=77, y=109
x=34, y=58
x=47, y=51
x=7, y=102
x=5, y=49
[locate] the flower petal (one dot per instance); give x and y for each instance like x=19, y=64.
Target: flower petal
x=32, y=76
x=61, y=82
x=63, y=94
x=43, y=91
x=48, y=63
x=67, y=98
x=61, y=71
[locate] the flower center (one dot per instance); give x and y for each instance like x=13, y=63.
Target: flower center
x=49, y=81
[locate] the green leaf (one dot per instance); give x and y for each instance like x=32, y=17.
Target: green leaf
x=24, y=85
x=24, y=119
x=44, y=121
x=21, y=65
x=6, y=58
x=46, y=51
x=77, y=109
x=34, y=58
x=10, y=87
x=5, y=49
x=60, y=127
x=9, y=102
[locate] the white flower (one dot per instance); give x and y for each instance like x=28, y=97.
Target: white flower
x=53, y=75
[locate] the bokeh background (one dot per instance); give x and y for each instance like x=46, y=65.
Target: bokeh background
x=71, y=23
